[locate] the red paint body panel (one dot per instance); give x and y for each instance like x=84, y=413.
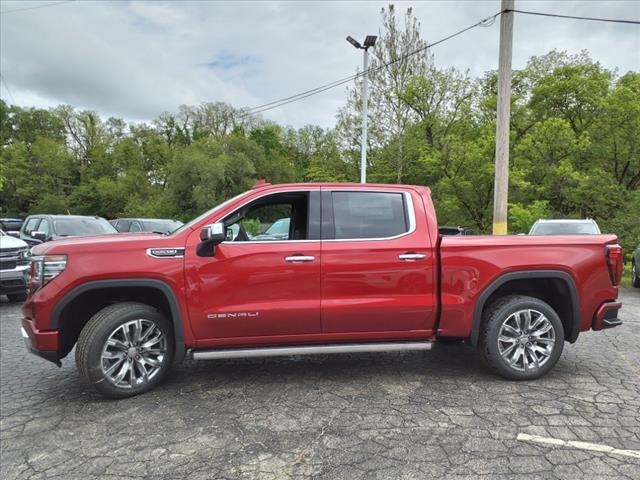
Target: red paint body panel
x=367, y=288
x=278, y=298
x=351, y=291
x=43, y=340
x=470, y=264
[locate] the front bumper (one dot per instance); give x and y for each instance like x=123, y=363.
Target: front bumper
x=41, y=343
x=607, y=316
x=14, y=280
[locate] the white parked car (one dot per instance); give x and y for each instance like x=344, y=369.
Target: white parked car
x=14, y=267
x=565, y=227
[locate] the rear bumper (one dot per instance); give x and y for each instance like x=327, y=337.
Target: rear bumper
x=41, y=343
x=607, y=316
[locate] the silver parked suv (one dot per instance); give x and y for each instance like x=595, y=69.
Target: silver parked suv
x=14, y=267
x=565, y=227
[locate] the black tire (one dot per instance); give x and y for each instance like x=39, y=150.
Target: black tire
x=635, y=275
x=499, y=313
x=17, y=297
x=104, y=325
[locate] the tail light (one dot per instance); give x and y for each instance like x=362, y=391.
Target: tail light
x=614, y=261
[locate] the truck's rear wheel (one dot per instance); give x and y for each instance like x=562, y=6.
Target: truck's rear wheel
x=521, y=337
x=125, y=349
x=635, y=275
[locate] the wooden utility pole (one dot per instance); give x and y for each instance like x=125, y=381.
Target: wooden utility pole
x=501, y=185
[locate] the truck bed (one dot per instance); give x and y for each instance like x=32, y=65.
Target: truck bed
x=471, y=265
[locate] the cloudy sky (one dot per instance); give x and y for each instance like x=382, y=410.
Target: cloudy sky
x=137, y=59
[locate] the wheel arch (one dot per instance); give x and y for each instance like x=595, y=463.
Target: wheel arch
x=74, y=310
x=531, y=282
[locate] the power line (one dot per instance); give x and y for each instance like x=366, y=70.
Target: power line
x=594, y=19
x=316, y=90
x=322, y=88
x=4, y=12
x=485, y=23
x=6, y=86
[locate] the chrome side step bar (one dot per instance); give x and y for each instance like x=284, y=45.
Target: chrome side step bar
x=309, y=350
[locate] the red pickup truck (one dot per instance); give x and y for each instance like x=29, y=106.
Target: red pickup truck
x=350, y=268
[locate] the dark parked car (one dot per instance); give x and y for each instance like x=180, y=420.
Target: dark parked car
x=157, y=225
x=635, y=267
x=456, y=231
x=11, y=224
x=43, y=228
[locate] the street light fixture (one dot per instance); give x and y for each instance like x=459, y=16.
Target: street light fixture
x=369, y=41
x=354, y=42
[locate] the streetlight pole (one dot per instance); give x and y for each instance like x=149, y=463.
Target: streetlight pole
x=369, y=41
x=365, y=105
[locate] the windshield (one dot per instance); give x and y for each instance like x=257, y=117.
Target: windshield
x=161, y=226
x=11, y=225
x=70, y=227
x=206, y=214
x=569, y=228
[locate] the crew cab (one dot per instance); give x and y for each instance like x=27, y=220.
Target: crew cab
x=361, y=269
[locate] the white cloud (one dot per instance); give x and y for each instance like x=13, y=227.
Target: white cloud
x=137, y=59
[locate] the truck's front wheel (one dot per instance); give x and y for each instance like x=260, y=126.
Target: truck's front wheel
x=125, y=349
x=521, y=338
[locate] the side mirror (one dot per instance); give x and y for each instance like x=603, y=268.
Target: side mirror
x=214, y=233
x=210, y=236
x=39, y=236
x=14, y=233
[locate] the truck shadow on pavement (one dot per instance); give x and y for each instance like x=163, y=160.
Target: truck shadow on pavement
x=442, y=362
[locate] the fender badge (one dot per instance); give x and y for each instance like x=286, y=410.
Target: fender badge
x=173, y=252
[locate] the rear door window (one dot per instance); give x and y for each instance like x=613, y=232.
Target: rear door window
x=359, y=215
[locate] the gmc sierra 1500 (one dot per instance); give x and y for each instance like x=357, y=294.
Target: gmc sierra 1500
x=362, y=269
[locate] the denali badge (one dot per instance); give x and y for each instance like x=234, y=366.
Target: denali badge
x=173, y=252
x=233, y=315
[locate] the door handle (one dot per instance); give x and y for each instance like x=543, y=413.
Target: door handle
x=412, y=256
x=299, y=258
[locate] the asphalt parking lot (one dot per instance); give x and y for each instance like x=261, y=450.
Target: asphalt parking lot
x=437, y=414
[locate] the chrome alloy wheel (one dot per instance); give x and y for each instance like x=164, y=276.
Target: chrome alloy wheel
x=526, y=340
x=133, y=354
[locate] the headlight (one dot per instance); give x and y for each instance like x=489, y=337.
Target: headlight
x=45, y=268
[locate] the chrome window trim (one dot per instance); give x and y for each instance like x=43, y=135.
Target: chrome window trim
x=408, y=200
x=410, y=210
x=270, y=242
